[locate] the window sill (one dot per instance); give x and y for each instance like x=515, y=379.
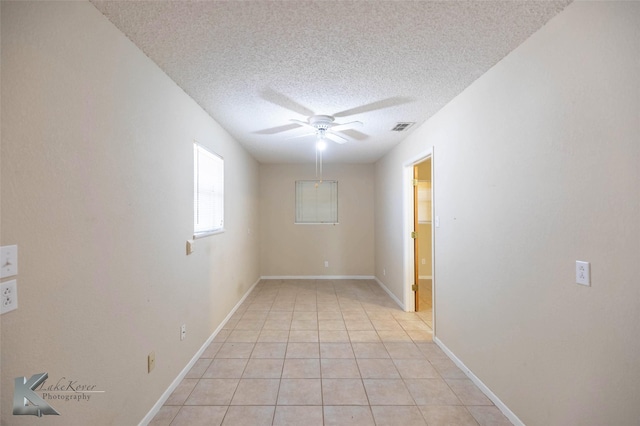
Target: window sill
x=207, y=233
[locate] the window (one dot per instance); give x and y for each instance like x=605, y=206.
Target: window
x=317, y=201
x=208, y=192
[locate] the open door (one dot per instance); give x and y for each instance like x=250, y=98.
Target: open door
x=416, y=255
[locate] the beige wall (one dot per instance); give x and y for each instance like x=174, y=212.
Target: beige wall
x=97, y=192
x=536, y=166
x=287, y=249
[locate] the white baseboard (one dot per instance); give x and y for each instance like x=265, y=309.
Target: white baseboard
x=391, y=295
x=493, y=397
x=156, y=408
x=317, y=277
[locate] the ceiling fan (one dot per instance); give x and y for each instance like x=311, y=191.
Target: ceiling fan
x=324, y=128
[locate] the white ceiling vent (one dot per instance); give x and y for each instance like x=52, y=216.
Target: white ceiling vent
x=401, y=127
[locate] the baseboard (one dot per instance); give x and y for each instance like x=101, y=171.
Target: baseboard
x=156, y=408
x=493, y=397
x=318, y=277
x=391, y=295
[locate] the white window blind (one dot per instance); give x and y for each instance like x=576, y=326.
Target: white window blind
x=316, y=201
x=208, y=194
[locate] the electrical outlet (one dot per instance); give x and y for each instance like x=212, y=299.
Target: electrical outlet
x=424, y=261
x=326, y=263
x=151, y=362
x=9, y=292
x=183, y=331
x=583, y=273
x=384, y=271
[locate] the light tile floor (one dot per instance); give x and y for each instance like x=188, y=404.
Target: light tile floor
x=326, y=352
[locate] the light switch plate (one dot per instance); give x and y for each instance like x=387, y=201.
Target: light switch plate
x=8, y=261
x=583, y=273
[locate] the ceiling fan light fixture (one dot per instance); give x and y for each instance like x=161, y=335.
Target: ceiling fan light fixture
x=321, y=145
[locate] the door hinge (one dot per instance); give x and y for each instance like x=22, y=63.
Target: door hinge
x=414, y=182
x=414, y=235
x=414, y=287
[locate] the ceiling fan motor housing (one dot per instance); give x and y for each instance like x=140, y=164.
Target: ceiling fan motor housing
x=321, y=122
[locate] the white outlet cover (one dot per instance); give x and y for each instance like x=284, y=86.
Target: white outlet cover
x=9, y=294
x=583, y=273
x=8, y=261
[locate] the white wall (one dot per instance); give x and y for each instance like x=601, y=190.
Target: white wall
x=537, y=166
x=287, y=249
x=97, y=192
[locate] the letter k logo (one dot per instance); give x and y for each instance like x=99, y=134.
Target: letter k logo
x=23, y=394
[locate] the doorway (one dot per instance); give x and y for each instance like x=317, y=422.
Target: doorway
x=423, y=241
x=420, y=284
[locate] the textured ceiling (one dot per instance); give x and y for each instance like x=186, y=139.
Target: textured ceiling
x=255, y=65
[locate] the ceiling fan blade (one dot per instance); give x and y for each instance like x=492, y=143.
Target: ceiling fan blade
x=344, y=126
x=303, y=123
x=285, y=102
x=336, y=138
x=374, y=106
x=301, y=136
x=354, y=134
x=278, y=129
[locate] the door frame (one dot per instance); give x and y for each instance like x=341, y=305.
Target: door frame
x=408, y=242
x=416, y=243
